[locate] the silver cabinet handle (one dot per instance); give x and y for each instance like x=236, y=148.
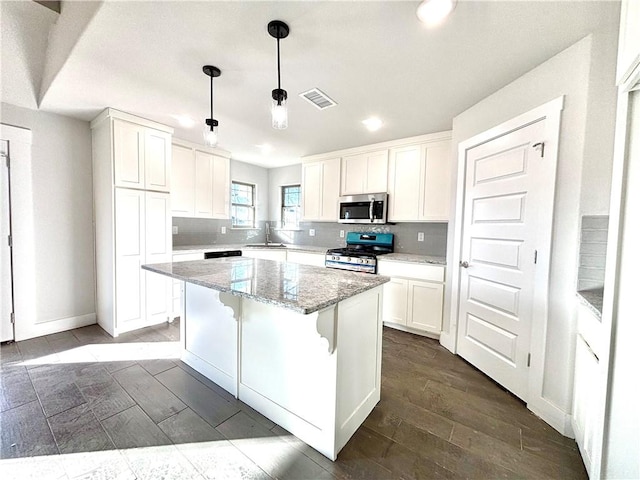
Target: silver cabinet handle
x=464, y=264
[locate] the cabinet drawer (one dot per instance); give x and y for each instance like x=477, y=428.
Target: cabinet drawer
x=418, y=271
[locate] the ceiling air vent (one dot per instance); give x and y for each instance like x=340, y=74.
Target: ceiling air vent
x=318, y=98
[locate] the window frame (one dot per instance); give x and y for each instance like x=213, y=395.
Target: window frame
x=284, y=226
x=252, y=206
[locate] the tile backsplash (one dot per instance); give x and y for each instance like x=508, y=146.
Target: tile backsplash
x=593, y=251
x=201, y=231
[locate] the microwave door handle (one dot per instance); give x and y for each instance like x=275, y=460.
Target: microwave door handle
x=371, y=210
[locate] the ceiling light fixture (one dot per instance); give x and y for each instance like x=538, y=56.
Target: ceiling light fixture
x=278, y=29
x=210, y=131
x=433, y=12
x=372, y=124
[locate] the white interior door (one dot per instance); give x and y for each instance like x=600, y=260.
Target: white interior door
x=6, y=280
x=504, y=185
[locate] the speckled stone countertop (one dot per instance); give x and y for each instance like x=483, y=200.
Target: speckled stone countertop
x=592, y=298
x=413, y=258
x=393, y=257
x=219, y=248
x=301, y=288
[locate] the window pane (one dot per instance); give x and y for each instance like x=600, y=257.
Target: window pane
x=242, y=194
x=241, y=216
x=291, y=196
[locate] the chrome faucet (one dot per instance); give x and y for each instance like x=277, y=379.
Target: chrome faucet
x=267, y=233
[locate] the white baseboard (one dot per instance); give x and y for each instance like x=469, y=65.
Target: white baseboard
x=25, y=332
x=415, y=331
x=553, y=415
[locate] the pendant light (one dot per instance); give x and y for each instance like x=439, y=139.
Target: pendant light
x=278, y=29
x=210, y=131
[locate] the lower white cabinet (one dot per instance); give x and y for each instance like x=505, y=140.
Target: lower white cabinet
x=306, y=258
x=413, y=298
x=278, y=254
x=143, y=235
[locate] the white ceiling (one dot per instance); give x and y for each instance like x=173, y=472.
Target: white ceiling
x=372, y=58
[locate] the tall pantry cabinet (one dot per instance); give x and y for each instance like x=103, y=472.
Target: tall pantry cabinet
x=132, y=214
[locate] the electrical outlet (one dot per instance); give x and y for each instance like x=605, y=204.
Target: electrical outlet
x=312, y=232
x=341, y=233
x=421, y=236
x=174, y=230
x=223, y=230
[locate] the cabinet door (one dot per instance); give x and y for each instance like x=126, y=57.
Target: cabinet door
x=354, y=174
x=435, y=191
x=404, y=183
x=629, y=40
x=183, y=177
x=128, y=154
x=157, y=160
x=204, y=184
x=330, y=189
x=158, y=249
x=584, y=394
x=311, y=190
x=221, y=187
x=129, y=256
x=377, y=172
x=425, y=306
x=394, y=305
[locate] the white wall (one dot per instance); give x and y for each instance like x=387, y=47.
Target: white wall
x=573, y=73
x=248, y=173
x=290, y=175
x=54, y=213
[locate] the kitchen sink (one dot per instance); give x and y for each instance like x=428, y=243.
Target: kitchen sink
x=266, y=245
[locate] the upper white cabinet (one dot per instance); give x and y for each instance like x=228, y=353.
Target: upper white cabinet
x=365, y=173
x=629, y=41
x=132, y=210
x=420, y=182
x=201, y=181
x=320, y=190
x=142, y=156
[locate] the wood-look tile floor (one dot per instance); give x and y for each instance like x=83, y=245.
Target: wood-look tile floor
x=80, y=404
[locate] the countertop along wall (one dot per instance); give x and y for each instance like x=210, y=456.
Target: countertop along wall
x=61, y=221
x=570, y=73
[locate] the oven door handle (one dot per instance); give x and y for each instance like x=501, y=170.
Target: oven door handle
x=371, y=210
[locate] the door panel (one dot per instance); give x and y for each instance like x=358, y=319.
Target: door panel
x=502, y=185
x=157, y=148
x=425, y=306
x=158, y=250
x=183, y=177
x=394, y=305
x=129, y=154
x=204, y=184
x=221, y=187
x=404, y=183
x=6, y=274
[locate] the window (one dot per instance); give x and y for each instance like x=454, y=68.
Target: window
x=290, y=201
x=243, y=205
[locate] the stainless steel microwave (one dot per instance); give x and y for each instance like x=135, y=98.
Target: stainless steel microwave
x=368, y=208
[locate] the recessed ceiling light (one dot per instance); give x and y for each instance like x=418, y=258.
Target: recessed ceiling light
x=185, y=120
x=433, y=12
x=372, y=123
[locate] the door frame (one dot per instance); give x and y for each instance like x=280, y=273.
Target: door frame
x=551, y=113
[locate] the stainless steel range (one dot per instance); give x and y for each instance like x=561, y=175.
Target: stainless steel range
x=360, y=254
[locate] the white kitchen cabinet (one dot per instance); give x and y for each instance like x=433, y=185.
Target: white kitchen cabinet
x=132, y=223
x=365, y=173
x=413, y=298
x=203, y=181
x=320, y=190
x=142, y=156
x=183, y=173
x=277, y=254
x=629, y=40
x=419, y=182
x=306, y=258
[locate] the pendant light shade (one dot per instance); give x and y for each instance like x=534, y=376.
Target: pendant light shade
x=279, y=115
x=210, y=131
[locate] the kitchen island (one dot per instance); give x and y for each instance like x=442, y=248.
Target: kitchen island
x=300, y=344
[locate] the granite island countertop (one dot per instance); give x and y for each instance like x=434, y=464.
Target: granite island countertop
x=301, y=288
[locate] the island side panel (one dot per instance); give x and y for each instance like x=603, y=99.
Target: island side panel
x=359, y=347
x=210, y=335
x=288, y=373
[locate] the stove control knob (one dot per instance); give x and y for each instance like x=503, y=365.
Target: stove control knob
x=361, y=260
x=348, y=259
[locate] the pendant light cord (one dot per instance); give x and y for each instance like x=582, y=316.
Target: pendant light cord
x=211, y=78
x=278, y=42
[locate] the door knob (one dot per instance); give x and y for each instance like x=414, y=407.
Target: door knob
x=464, y=264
